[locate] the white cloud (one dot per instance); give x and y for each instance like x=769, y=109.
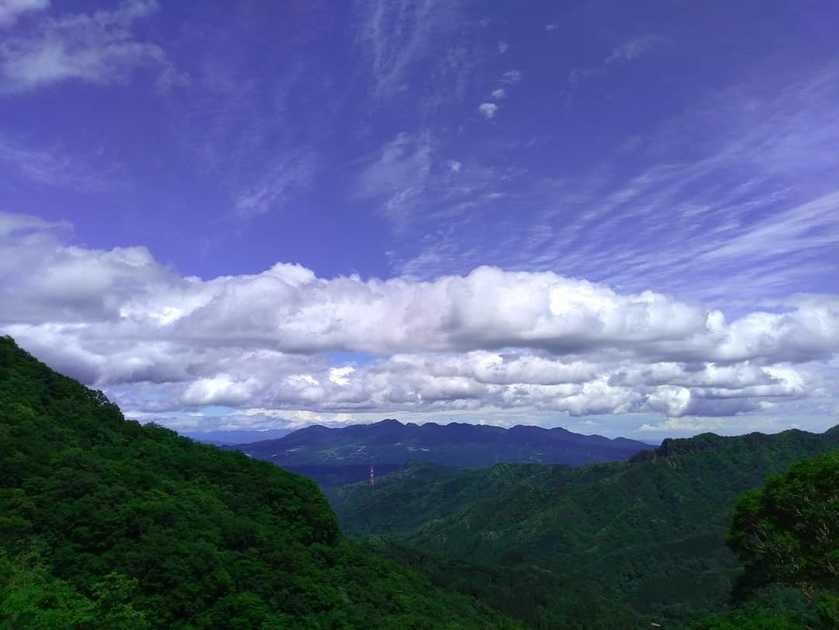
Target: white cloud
x=511, y=77
x=219, y=390
x=98, y=48
x=503, y=47
x=12, y=10
x=499, y=94
x=22, y=223
x=488, y=110
x=489, y=340
x=551, y=27
x=633, y=49
x=340, y=376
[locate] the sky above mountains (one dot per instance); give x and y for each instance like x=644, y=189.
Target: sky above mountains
x=621, y=218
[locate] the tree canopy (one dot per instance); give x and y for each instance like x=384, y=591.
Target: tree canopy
x=108, y=523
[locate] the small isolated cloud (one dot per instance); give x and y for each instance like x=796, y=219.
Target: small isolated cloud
x=488, y=110
x=99, y=48
x=455, y=166
x=341, y=376
x=499, y=94
x=11, y=10
x=503, y=47
x=511, y=76
x=633, y=49
x=219, y=390
x=551, y=27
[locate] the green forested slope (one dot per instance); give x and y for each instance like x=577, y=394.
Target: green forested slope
x=107, y=523
x=648, y=535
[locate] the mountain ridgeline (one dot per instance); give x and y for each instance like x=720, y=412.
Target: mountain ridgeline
x=333, y=456
x=105, y=523
x=620, y=544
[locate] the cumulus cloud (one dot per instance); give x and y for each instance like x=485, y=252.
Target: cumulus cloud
x=221, y=389
x=98, y=47
x=491, y=339
x=488, y=110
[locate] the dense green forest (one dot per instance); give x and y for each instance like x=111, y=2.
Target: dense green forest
x=105, y=523
x=609, y=545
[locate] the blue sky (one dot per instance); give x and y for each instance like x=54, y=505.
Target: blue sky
x=648, y=165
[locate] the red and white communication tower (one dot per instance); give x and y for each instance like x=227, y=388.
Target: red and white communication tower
x=372, y=476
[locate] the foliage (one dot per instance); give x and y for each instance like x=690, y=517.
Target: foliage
x=788, y=532
x=647, y=536
x=138, y=526
x=787, y=537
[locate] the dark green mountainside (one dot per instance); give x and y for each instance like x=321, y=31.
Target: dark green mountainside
x=335, y=456
x=105, y=523
x=646, y=536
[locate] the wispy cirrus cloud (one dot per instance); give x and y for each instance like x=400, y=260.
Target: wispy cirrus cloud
x=625, y=53
x=12, y=10
x=277, y=185
x=55, y=167
x=395, y=34
x=412, y=182
x=633, y=49
x=98, y=48
x=745, y=203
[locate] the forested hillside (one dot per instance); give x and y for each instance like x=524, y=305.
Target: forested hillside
x=646, y=536
x=107, y=523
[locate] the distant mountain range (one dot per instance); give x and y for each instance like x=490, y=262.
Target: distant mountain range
x=342, y=455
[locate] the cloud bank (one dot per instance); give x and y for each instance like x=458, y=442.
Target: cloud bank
x=490, y=339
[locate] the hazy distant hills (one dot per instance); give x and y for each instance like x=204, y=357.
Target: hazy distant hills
x=645, y=538
x=342, y=455
x=243, y=436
